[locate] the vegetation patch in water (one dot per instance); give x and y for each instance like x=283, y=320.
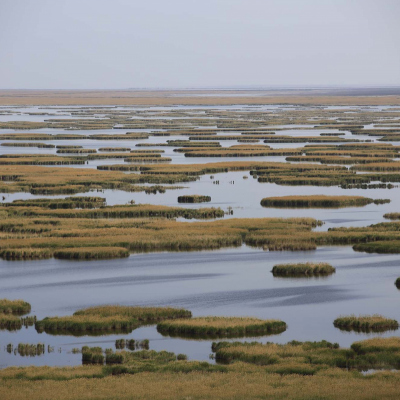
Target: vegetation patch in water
x=18, y=307
x=303, y=270
x=221, y=326
x=319, y=201
x=26, y=254
x=365, y=323
x=194, y=198
x=109, y=319
x=397, y=283
x=382, y=247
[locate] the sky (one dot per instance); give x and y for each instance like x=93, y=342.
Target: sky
x=120, y=44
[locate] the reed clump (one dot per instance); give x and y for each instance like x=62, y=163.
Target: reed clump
x=10, y=322
x=319, y=201
x=194, y=198
x=92, y=355
x=30, y=350
x=132, y=344
x=366, y=323
x=303, y=270
x=221, y=326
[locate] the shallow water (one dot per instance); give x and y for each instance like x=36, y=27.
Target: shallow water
x=227, y=282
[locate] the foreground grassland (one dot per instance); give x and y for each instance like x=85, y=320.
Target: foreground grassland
x=297, y=370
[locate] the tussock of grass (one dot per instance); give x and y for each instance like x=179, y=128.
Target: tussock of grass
x=303, y=269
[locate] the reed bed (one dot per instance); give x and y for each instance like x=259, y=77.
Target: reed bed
x=338, y=160
x=83, y=202
x=142, y=314
x=303, y=270
x=308, y=139
x=221, y=326
x=392, y=216
x=380, y=247
x=153, y=234
x=28, y=144
x=229, y=152
x=265, y=135
x=76, y=151
x=397, y=283
x=91, y=253
x=116, y=149
x=129, y=211
x=377, y=345
x=26, y=254
x=67, y=146
x=381, y=166
x=41, y=160
x=194, y=198
x=311, y=358
x=319, y=201
x=366, y=323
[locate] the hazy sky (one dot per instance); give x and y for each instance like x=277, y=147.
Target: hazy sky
x=198, y=43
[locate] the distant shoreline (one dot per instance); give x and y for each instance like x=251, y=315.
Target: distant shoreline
x=197, y=97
